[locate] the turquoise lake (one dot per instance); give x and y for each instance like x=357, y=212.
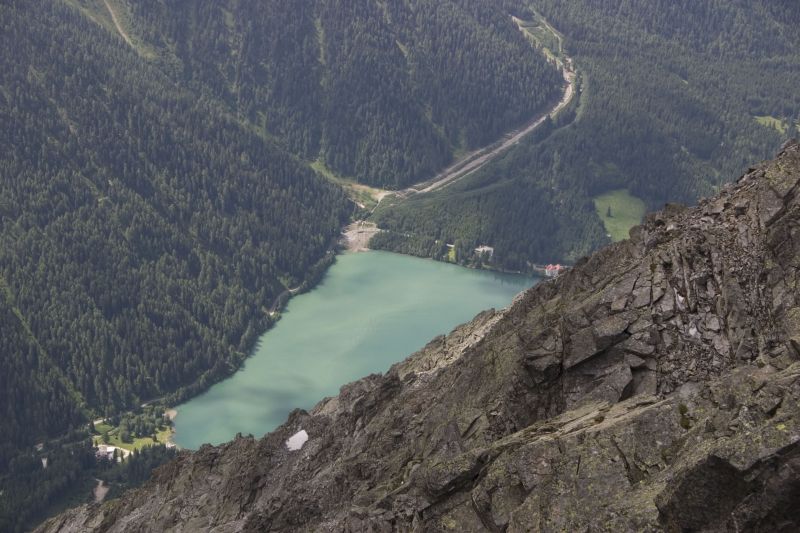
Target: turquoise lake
x=370, y=311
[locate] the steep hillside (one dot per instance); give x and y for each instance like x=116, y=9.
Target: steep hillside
x=37, y=405
x=675, y=98
x=383, y=92
x=156, y=195
x=655, y=386
x=37, y=400
x=142, y=232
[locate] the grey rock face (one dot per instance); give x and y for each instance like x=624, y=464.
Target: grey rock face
x=653, y=387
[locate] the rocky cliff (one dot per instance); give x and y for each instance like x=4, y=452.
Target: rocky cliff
x=654, y=387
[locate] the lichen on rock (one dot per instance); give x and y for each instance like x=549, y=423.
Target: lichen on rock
x=655, y=386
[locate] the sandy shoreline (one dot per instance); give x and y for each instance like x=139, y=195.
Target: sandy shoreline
x=356, y=236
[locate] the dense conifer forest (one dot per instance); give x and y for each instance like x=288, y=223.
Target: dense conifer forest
x=156, y=193
x=382, y=92
x=143, y=231
x=676, y=99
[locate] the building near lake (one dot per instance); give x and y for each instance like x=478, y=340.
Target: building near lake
x=480, y=250
x=552, y=271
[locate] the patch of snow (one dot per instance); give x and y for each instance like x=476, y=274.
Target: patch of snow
x=296, y=441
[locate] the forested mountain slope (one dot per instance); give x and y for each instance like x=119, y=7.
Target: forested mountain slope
x=37, y=405
x=31, y=380
x=653, y=387
x=383, y=92
x=142, y=231
x=675, y=97
x=155, y=189
x=143, y=156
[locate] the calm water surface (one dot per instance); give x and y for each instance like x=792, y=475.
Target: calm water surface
x=371, y=310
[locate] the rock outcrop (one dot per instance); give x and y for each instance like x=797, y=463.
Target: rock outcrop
x=653, y=387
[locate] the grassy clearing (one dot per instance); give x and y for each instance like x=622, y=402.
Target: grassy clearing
x=626, y=211
x=230, y=19
x=773, y=122
x=138, y=443
x=451, y=254
x=365, y=196
x=540, y=34
x=582, y=94
x=95, y=10
x=102, y=428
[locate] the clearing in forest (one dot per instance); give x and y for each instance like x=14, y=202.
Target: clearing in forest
x=620, y=211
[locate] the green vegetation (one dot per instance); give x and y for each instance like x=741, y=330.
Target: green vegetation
x=773, y=122
x=364, y=196
x=373, y=90
x=36, y=402
x=543, y=36
x=134, y=443
x=134, y=470
x=134, y=431
x=143, y=230
x=685, y=421
x=619, y=211
x=157, y=197
x=650, y=118
x=29, y=491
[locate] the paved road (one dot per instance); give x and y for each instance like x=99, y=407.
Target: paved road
x=481, y=157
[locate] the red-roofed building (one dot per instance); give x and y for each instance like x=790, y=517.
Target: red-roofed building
x=552, y=271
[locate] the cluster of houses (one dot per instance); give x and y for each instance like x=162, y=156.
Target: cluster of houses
x=549, y=271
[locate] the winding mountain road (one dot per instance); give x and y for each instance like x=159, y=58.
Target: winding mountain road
x=479, y=158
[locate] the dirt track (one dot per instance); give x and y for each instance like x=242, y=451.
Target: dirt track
x=118, y=25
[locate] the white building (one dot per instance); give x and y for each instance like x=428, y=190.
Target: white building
x=480, y=250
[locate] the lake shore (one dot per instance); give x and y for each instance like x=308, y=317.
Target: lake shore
x=171, y=413
x=356, y=236
x=396, y=304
